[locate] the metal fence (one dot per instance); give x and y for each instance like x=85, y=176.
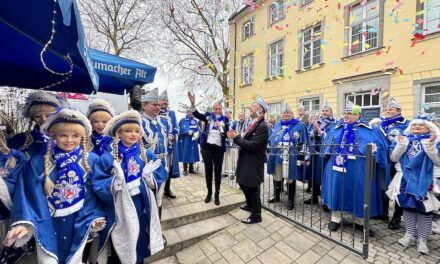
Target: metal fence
x=316, y=217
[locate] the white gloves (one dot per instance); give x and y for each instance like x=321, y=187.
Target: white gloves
x=149, y=168
x=190, y=132
x=195, y=136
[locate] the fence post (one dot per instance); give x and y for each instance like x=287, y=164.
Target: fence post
x=370, y=168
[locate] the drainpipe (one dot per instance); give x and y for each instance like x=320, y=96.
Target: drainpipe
x=235, y=62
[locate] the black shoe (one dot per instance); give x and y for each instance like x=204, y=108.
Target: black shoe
x=325, y=208
x=333, y=226
x=216, y=200
x=251, y=220
x=311, y=201
x=371, y=233
x=245, y=207
x=165, y=242
x=208, y=198
x=290, y=205
x=185, y=173
x=192, y=172
x=309, y=188
x=170, y=194
x=394, y=223
x=273, y=199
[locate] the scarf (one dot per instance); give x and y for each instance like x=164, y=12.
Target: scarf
x=99, y=142
x=415, y=146
x=388, y=121
x=131, y=165
x=345, y=148
x=68, y=194
x=37, y=135
x=285, y=135
x=216, y=121
x=323, y=122
x=253, y=124
x=163, y=112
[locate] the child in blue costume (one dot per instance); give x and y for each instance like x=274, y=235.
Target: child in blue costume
x=99, y=113
x=37, y=108
x=287, y=142
x=187, y=144
x=11, y=161
x=416, y=182
x=130, y=202
x=53, y=199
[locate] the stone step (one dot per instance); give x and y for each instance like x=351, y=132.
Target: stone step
x=198, y=211
x=186, y=235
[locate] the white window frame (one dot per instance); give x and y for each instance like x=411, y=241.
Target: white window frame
x=309, y=107
x=306, y=2
x=312, y=41
x=426, y=7
x=431, y=104
x=364, y=22
x=278, y=59
x=248, y=28
x=279, y=13
x=347, y=96
x=274, y=109
x=247, y=72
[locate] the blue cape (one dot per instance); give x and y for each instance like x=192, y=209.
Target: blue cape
x=351, y=198
x=298, y=135
x=60, y=237
x=187, y=148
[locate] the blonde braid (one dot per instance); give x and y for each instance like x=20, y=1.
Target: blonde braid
x=85, y=155
x=10, y=162
x=115, y=149
x=48, y=184
x=142, y=150
x=28, y=140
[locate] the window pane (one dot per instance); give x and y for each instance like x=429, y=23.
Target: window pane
x=350, y=98
x=433, y=98
x=356, y=14
x=372, y=8
x=432, y=89
x=317, y=52
x=358, y=100
x=367, y=100
x=307, y=35
x=375, y=100
x=356, y=38
x=306, y=56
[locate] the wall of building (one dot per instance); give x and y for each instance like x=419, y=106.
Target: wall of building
x=410, y=68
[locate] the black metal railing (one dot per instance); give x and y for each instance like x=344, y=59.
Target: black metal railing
x=311, y=160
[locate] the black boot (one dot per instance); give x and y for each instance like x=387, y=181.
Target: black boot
x=167, y=192
x=277, y=190
x=208, y=197
x=165, y=242
x=191, y=168
x=291, y=189
x=216, y=198
x=315, y=192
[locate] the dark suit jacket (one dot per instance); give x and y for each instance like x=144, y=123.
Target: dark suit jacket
x=204, y=134
x=305, y=120
x=252, y=153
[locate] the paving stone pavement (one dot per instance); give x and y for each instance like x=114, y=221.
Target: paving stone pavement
x=276, y=240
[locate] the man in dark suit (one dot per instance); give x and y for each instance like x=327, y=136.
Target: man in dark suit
x=250, y=166
x=302, y=115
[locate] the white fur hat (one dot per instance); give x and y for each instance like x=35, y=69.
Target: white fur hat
x=66, y=115
x=427, y=119
x=100, y=105
x=40, y=98
x=130, y=116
